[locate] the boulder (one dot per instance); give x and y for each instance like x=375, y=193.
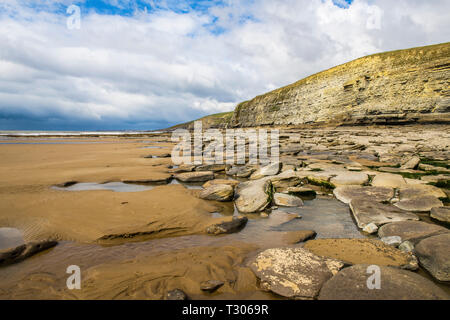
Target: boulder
x=196, y=176
x=235, y=225
x=419, y=204
x=350, y=178
x=241, y=171
x=406, y=246
x=413, y=231
x=253, y=196
x=218, y=192
x=388, y=180
x=368, y=211
x=396, y=284
x=295, y=273
x=434, y=255
x=441, y=214
x=24, y=251
x=377, y=194
x=362, y=251
x=286, y=200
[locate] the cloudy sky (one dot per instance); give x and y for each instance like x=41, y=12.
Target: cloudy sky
x=147, y=64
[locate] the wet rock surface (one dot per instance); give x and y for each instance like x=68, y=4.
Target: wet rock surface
x=413, y=231
x=368, y=211
x=236, y=224
x=433, y=254
x=396, y=284
x=362, y=251
x=294, y=273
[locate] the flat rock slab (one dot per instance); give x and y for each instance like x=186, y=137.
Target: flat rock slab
x=197, y=176
x=350, y=178
x=388, y=180
x=293, y=237
x=419, y=190
x=295, y=273
x=286, y=200
x=253, y=196
x=218, y=192
x=395, y=284
x=235, y=225
x=367, y=211
x=24, y=251
x=229, y=182
x=413, y=231
x=362, y=251
x=377, y=194
x=419, y=204
x=441, y=214
x=434, y=255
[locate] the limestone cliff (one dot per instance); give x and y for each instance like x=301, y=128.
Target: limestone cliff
x=401, y=86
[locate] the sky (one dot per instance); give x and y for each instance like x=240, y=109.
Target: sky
x=149, y=64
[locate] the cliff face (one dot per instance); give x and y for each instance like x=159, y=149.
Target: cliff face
x=393, y=87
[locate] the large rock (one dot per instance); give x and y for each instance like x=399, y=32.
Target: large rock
x=269, y=170
x=377, y=194
x=286, y=200
x=419, y=204
x=218, y=192
x=441, y=214
x=413, y=231
x=350, y=178
x=388, y=180
x=235, y=225
x=368, y=211
x=434, y=255
x=419, y=190
x=24, y=251
x=197, y=176
x=395, y=284
x=293, y=272
x=362, y=251
x=253, y=196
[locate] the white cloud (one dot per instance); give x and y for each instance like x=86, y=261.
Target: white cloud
x=162, y=66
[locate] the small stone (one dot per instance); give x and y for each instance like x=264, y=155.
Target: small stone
x=235, y=225
x=370, y=228
x=412, y=163
x=176, y=294
x=406, y=246
x=211, y=285
x=394, y=241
